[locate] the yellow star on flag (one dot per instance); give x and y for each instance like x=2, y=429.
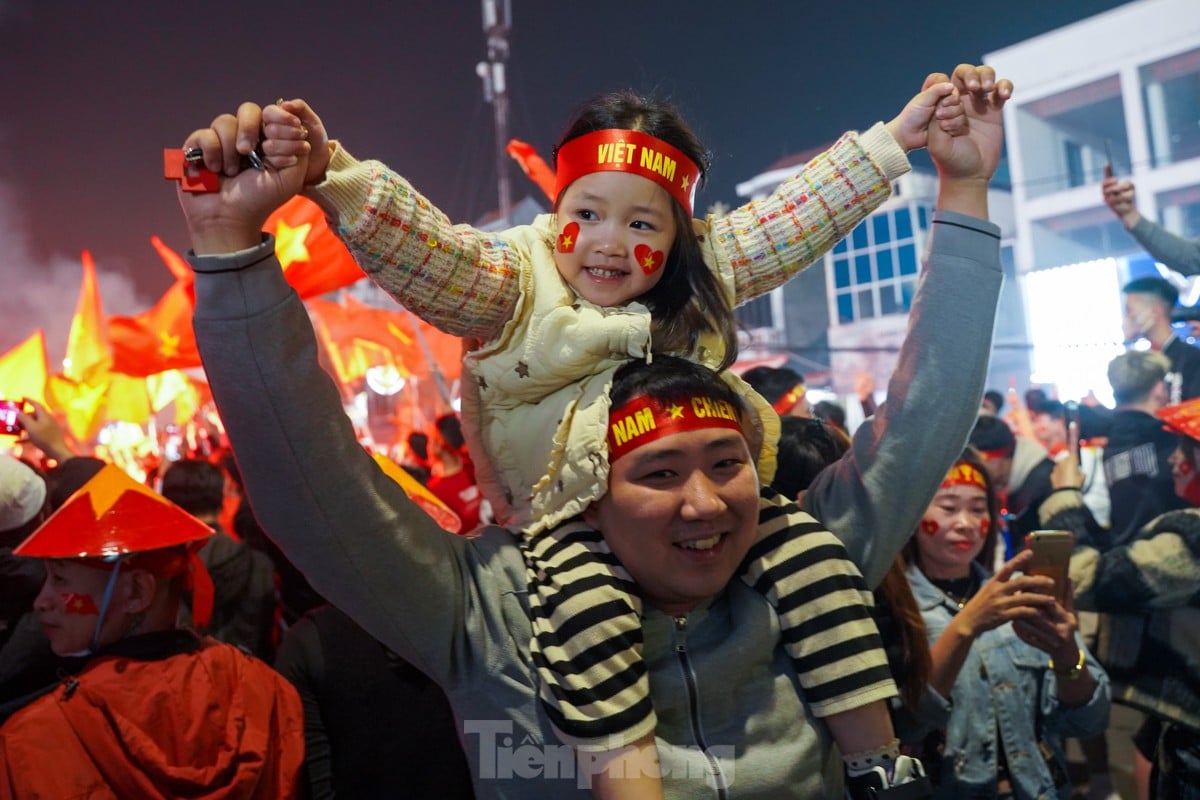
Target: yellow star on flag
x=289, y=243
x=684, y=182
x=567, y=241
x=648, y=261
x=676, y=411
x=168, y=344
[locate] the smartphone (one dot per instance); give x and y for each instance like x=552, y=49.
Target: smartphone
x=1052, y=557
x=1074, y=440
x=10, y=425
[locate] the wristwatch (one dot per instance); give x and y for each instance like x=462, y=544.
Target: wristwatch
x=1075, y=672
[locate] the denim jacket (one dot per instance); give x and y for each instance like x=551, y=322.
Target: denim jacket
x=1004, y=686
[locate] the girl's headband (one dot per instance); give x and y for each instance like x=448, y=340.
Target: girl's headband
x=964, y=474
x=618, y=150
x=645, y=419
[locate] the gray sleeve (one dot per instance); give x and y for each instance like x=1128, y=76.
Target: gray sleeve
x=1176, y=252
x=873, y=497
x=348, y=527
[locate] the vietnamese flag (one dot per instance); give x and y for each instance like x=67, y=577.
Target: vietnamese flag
x=23, y=370
x=314, y=260
x=89, y=356
x=533, y=165
x=161, y=338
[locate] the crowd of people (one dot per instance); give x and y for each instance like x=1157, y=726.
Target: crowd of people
x=667, y=580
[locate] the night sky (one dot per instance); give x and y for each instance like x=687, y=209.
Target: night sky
x=93, y=91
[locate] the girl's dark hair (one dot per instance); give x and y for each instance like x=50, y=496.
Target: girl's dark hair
x=689, y=299
x=806, y=447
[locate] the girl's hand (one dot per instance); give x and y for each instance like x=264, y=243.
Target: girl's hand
x=1005, y=598
x=292, y=130
x=937, y=103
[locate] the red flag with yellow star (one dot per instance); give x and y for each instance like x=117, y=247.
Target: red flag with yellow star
x=314, y=260
x=23, y=370
x=89, y=356
x=161, y=338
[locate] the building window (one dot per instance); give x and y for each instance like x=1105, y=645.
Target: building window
x=1171, y=98
x=875, y=268
x=1067, y=138
x=1079, y=236
x=1179, y=211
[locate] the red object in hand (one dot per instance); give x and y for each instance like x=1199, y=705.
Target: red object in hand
x=196, y=179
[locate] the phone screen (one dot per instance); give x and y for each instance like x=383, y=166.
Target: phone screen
x=9, y=423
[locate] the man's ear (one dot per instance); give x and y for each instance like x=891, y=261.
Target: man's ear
x=142, y=586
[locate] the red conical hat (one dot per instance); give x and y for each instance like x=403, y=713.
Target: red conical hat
x=1183, y=418
x=111, y=515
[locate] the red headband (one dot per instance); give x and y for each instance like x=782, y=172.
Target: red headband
x=617, y=150
x=962, y=474
x=789, y=400
x=644, y=419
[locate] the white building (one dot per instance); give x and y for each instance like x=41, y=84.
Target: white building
x=849, y=312
x=1122, y=87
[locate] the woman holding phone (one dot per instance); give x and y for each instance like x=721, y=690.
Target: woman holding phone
x=1007, y=660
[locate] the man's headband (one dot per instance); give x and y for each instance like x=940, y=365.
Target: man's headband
x=963, y=474
x=789, y=400
x=645, y=419
x=618, y=150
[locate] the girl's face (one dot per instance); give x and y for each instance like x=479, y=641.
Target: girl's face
x=952, y=531
x=615, y=231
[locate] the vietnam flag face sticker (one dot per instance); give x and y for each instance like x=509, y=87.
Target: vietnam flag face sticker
x=81, y=604
x=568, y=238
x=650, y=261
x=929, y=527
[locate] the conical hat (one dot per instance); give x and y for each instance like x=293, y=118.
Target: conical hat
x=1183, y=418
x=111, y=515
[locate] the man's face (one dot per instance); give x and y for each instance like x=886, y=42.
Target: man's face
x=999, y=470
x=1141, y=313
x=68, y=605
x=680, y=513
x=1050, y=431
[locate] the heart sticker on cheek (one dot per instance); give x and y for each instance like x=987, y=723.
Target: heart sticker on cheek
x=1185, y=468
x=650, y=261
x=929, y=527
x=568, y=237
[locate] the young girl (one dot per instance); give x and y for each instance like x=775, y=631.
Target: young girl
x=619, y=271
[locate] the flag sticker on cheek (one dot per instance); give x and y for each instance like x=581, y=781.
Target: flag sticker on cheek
x=81, y=604
x=651, y=261
x=929, y=527
x=568, y=237
x=985, y=525
x=1185, y=468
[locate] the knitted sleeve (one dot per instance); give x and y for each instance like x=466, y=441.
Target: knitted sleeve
x=766, y=242
x=461, y=280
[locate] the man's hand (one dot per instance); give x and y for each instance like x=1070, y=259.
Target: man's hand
x=967, y=162
x=232, y=218
x=1066, y=473
x=1119, y=195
